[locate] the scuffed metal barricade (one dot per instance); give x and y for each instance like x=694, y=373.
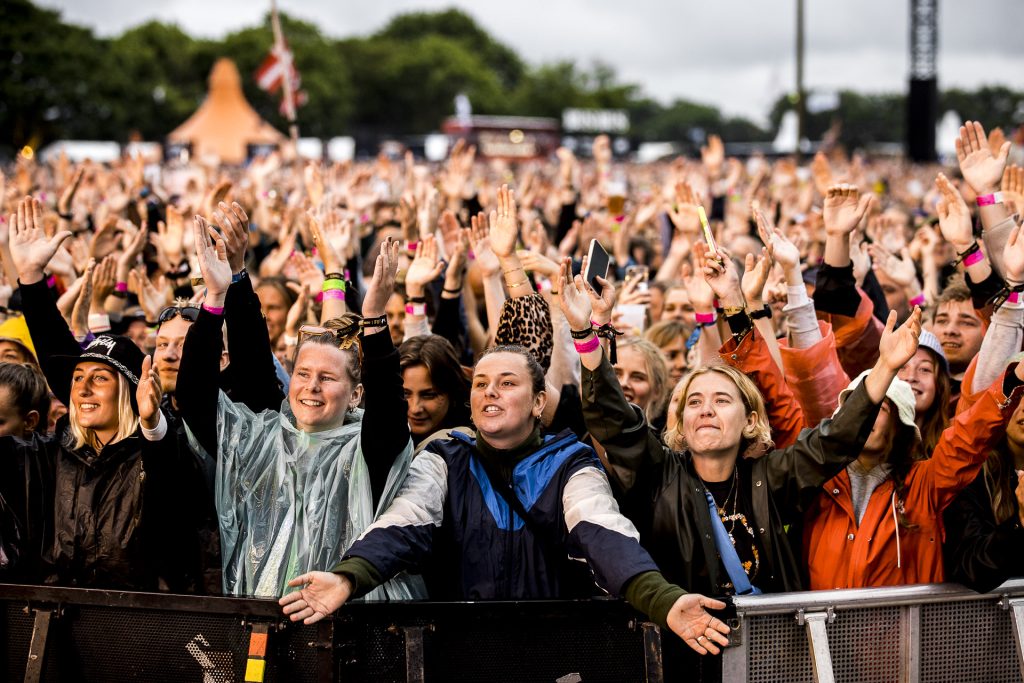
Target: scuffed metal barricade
x=915, y=634
x=66, y=634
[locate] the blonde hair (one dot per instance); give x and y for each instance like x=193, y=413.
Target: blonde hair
x=127, y=418
x=756, y=440
x=657, y=372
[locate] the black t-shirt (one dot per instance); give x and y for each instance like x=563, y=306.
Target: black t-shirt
x=734, y=511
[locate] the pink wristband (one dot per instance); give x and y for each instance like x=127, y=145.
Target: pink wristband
x=1013, y=298
x=976, y=257
x=415, y=309
x=121, y=287
x=216, y=310
x=704, y=318
x=587, y=346
x=333, y=294
x=917, y=300
x=990, y=199
x=319, y=297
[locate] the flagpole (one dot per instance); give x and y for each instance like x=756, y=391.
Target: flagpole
x=289, y=94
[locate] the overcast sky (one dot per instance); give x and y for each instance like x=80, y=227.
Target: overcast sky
x=736, y=54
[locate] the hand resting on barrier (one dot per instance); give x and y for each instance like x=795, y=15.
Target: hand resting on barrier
x=698, y=629
x=321, y=594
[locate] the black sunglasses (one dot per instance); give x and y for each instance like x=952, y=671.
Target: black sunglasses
x=189, y=313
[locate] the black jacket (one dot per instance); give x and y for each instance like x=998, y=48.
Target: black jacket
x=86, y=518
x=663, y=495
x=978, y=552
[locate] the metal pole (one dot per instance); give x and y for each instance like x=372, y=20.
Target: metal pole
x=801, y=110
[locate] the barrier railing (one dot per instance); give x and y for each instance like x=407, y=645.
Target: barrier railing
x=62, y=634
x=914, y=634
x=926, y=633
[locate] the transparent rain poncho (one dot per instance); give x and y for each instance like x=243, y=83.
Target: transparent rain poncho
x=290, y=502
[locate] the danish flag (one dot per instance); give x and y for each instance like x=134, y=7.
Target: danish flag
x=270, y=75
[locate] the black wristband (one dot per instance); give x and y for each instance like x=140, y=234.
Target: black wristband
x=739, y=324
x=581, y=334
x=765, y=312
x=451, y=291
x=379, y=321
x=416, y=300
x=334, y=276
x=66, y=216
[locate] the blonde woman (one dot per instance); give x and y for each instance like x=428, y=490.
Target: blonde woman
x=91, y=497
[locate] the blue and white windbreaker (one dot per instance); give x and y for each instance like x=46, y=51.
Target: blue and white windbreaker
x=449, y=523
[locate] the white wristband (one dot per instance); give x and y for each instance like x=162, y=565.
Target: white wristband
x=156, y=433
x=99, y=322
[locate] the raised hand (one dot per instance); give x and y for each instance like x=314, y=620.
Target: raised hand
x=307, y=273
x=860, y=257
x=1012, y=187
x=152, y=298
x=702, y=632
x=954, y=216
x=321, y=593
x=844, y=209
x=537, y=263
x=297, y=313
x=480, y=243
x=149, y=394
x=382, y=284
x=234, y=225
x=172, y=235
x=720, y=275
x=782, y=251
x=712, y=155
x=504, y=224
x=980, y=167
x=900, y=269
x=1013, y=257
x=684, y=213
x=80, y=311
x=327, y=248
x=456, y=270
x=104, y=279
x=68, y=196
x=425, y=267
x=898, y=345
x=755, y=277
x=313, y=179
x=30, y=249
x=573, y=298
x=821, y=171
x=698, y=291
x=126, y=261
x=213, y=261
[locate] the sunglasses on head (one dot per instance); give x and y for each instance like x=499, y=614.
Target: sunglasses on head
x=189, y=313
x=343, y=338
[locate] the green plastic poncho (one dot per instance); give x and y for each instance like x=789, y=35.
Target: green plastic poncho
x=291, y=502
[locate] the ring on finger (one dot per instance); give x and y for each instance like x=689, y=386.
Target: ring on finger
x=699, y=637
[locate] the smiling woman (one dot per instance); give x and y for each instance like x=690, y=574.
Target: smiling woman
x=85, y=497
x=295, y=483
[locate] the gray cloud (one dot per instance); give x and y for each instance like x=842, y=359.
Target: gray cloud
x=736, y=54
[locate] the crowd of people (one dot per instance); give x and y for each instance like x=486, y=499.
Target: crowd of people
x=395, y=380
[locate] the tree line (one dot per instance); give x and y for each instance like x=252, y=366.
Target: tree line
x=59, y=80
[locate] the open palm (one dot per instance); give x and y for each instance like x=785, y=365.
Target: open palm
x=504, y=224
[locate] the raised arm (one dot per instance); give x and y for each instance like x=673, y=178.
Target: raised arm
x=31, y=251
x=384, y=433
x=197, y=390
x=795, y=473
x=983, y=170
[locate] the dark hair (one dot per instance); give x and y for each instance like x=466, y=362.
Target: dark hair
x=278, y=284
x=936, y=418
x=28, y=390
x=438, y=356
x=344, y=336
x=532, y=365
x=901, y=458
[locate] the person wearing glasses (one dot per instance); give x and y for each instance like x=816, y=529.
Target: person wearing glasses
x=296, y=482
x=90, y=497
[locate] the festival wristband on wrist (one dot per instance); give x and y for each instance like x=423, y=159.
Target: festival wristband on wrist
x=416, y=309
x=121, y=287
x=705, y=318
x=379, y=321
x=917, y=300
x=764, y=312
x=990, y=199
x=216, y=310
x=237, y=277
x=333, y=284
x=581, y=334
x=587, y=346
x=337, y=294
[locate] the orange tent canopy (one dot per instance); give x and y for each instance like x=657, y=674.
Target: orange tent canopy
x=225, y=123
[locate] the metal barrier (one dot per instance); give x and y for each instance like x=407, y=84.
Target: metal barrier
x=65, y=634
x=914, y=634
x=925, y=633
